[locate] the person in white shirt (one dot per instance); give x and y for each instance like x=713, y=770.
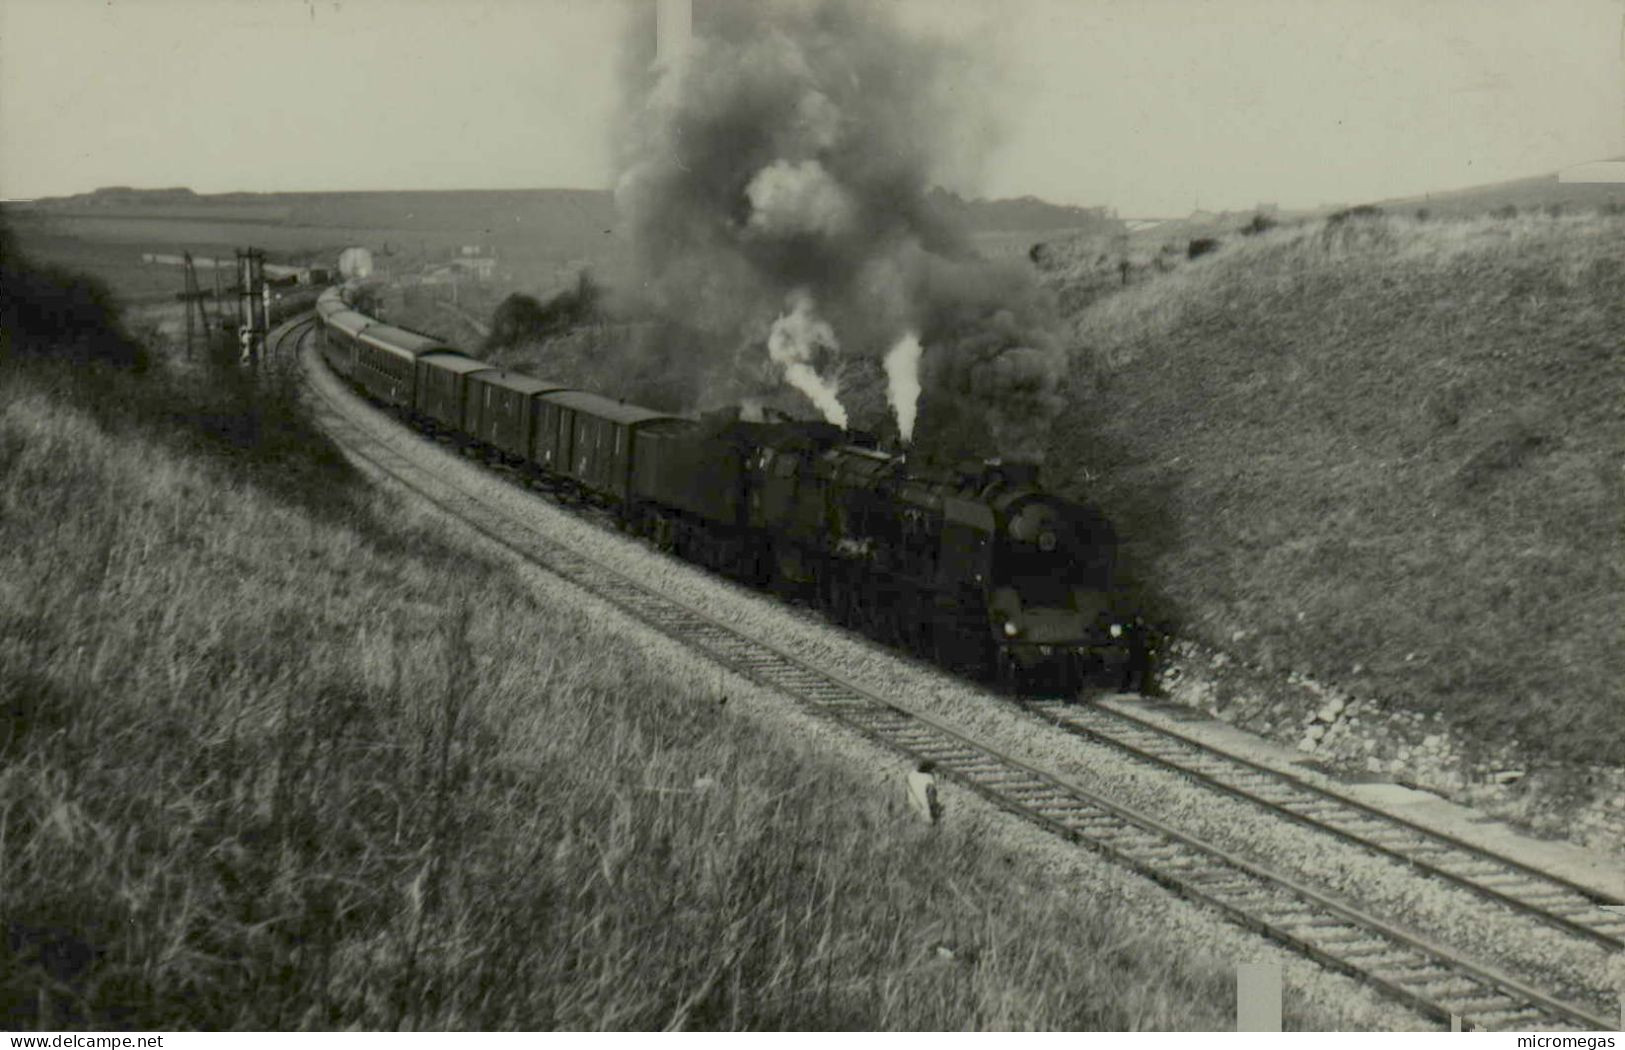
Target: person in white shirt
x=922, y=792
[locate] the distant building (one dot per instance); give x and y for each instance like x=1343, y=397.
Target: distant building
x=199, y=262
x=480, y=268
x=297, y=274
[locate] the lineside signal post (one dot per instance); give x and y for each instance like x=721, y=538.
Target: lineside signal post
x=253, y=305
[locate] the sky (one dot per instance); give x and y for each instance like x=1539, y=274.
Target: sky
x=1152, y=107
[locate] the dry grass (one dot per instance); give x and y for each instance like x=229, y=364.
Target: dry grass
x=1384, y=451
x=270, y=761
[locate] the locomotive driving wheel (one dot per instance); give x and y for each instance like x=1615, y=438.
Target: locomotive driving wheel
x=893, y=616
x=1006, y=672
x=916, y=613
x=964, y=647
x=984, y=652
x=856, y=612
x=943, y=636
x=830, y=592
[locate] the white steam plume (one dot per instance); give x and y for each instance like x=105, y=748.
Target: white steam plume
x=903, y=382
x=794, y=339
x=788, y=199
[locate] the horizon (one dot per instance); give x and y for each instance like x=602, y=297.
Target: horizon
x=1152, y=110
x=1616, y=178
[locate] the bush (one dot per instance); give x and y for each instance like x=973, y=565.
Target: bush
x=1359, y=211
x=50, y=313
x=521, y=318
x=1200, y=246
x=1260, y=223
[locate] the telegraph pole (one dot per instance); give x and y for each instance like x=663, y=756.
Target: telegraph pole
x=194, y=298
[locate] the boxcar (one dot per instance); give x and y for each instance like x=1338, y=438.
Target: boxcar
x=683, y=465
x=442, y=387
x=589, y=438
x=502, y=409
x=386, y=357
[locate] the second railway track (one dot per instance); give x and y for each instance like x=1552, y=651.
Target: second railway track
x=1554, y=901
x=1430, y=977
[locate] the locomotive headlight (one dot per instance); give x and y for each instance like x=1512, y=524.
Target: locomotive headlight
x=1011, y=629
x=1046, y=540
x=1117, y=630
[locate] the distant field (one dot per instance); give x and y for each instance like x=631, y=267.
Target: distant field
x=111, y=249
x=120, y=269
x=540, y=238
x=202, y=234
x=1385, y=452
x=535, y=235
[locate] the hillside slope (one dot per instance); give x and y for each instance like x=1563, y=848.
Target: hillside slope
x=1384, y=452
x=278, y=752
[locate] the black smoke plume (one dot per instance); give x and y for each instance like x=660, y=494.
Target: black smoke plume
x=775, y=183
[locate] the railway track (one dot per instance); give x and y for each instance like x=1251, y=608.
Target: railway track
x=1429, y=977
x=1546, y=898
x=283, y=341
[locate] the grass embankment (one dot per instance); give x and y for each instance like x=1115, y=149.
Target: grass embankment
x=1386, y=452
x=272, y=756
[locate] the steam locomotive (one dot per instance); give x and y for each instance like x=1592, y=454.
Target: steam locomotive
x=977, y=567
